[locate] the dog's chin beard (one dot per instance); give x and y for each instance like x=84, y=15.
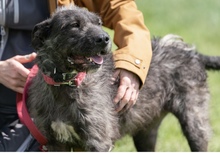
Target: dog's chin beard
x=94, y=70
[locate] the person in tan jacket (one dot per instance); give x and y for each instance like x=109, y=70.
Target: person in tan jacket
x=17, y=19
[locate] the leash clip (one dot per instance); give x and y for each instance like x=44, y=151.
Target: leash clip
x=71, y=83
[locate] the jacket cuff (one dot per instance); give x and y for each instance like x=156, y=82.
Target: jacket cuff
x=132, y=64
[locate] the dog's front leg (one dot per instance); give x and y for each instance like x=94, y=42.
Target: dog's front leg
x=97, y=145
x=99, y=135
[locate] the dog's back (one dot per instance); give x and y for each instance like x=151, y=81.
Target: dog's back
x=176, y=83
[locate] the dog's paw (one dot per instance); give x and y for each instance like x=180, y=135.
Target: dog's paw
x=64, y=132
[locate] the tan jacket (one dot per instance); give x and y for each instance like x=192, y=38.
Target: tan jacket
x=131, y=35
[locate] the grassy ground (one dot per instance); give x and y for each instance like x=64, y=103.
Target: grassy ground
x=198, y=23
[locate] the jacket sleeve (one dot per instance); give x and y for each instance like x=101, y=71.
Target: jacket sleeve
x=63, y=2
x=131, y=35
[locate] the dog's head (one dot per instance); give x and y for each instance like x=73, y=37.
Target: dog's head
x=71, y=40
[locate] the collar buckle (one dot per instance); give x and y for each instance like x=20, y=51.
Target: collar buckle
x=69, y=76
x=71, y=83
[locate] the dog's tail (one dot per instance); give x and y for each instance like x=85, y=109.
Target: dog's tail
x=210, y=62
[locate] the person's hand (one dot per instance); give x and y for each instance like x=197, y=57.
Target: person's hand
x=128, y=89
x=13, y=74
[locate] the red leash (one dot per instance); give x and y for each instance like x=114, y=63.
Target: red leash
x=23, y=112
x=22, y=108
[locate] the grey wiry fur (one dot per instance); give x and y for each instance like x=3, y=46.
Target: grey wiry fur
x=84, y=116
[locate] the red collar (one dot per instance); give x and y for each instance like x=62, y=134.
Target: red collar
x=21, y=102
x=76, y=81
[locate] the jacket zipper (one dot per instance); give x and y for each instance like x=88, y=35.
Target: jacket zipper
x=3, y=33
x=2, y=28
x=2, y=12
x=16, y=11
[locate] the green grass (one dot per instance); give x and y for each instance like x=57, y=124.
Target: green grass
x=198, y=22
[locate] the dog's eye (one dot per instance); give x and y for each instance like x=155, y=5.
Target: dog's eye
x=75, y=25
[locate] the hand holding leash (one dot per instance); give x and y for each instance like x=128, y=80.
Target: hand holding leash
x=13, y=74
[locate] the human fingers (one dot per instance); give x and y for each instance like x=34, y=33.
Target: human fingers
x=125, y=100
x=25, y=58
x=13, y=82
x=120, y=93
x=18, y=67
x=17, y=85
x=129, y=99
x=115, y=76
x=19, y=90
x=13, y=74
x=116, y=73
x=21, y=59
x=13, y=69
x=132, y=100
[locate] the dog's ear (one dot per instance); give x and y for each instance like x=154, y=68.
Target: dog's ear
x=39, y=34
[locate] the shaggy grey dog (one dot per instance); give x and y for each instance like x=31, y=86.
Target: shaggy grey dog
x=73, y=114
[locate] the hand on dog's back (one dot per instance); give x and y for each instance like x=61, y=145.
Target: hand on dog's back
x=128, y=89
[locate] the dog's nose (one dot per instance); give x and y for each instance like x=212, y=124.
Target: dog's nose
x=102, y=39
